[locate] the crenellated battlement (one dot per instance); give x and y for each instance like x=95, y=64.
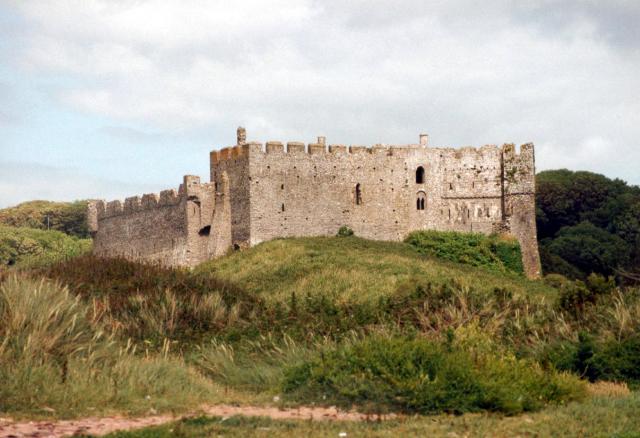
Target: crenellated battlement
x=148, y=201
x=260, y=191
x=276, y=147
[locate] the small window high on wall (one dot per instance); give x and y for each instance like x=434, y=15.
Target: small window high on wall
x=358, y=194
x=420, y=175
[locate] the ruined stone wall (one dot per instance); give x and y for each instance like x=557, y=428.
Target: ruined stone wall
x=169, y=228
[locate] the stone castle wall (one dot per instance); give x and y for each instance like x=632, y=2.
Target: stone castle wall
x=171, y=228
x=260, y=192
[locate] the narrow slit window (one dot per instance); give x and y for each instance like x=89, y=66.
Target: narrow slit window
x=358, y=194
x=282, y=207
x=420, y=201
x=420, y=175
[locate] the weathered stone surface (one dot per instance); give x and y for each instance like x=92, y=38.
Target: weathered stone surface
x=261, y=192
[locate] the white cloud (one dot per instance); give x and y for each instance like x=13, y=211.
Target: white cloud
x=361, y=71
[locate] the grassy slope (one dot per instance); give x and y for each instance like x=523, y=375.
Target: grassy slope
x=350, y=268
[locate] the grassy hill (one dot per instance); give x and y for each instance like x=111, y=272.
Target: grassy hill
x=383, y=326
x=353, y=269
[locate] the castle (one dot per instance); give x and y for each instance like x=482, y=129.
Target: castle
x=260, y=192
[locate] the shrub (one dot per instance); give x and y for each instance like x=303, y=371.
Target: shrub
x=345, y=231
x=67, y=217
x=497, y=253
x=27, y=247
x=575, y=295
x=415, y=375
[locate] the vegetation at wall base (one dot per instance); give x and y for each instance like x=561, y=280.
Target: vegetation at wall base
x=497, y=253
x=251, y=323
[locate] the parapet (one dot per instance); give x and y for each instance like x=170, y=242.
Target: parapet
x=321, y=147
x=149, y=201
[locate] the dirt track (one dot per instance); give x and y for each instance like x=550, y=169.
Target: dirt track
x=103, y=426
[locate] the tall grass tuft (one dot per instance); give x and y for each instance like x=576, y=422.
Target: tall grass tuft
x=54, y=357
x=149, y=303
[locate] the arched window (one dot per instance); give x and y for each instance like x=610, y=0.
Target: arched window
x=420, y=201
x=420, y=175
x=358, y=194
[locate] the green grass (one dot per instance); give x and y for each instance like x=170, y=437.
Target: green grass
x=350, y=269
x=234, y=327
x=55, y=358
x=596, y=417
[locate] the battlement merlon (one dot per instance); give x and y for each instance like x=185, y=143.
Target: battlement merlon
x=98, y=210
x=509, y=151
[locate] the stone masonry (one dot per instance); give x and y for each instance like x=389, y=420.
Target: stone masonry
x=259, y=192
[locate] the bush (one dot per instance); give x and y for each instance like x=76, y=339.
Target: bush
x=345, y=231
x=67, y=217
x=27, y=247
x=615, y=360
x=575, y=295
x=497, y=253
x=415, y=375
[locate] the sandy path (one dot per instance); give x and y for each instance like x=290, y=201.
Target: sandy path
x=103, y=426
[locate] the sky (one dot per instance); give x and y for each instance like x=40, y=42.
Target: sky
x=113, y=98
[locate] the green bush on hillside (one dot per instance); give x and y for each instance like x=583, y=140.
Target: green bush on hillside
x=415, y=375
x=23, y=247
x=67, y=217
x=496, y=253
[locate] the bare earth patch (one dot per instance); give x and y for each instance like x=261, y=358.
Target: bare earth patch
x=103, y=426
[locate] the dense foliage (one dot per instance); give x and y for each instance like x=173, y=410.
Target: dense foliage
x=23, y=247
x=416, y=375
x=67, y=217
x=491, y=252
x=587, y=223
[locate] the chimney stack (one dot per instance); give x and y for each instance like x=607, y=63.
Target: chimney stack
x=241, y=134
x=424, y=140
